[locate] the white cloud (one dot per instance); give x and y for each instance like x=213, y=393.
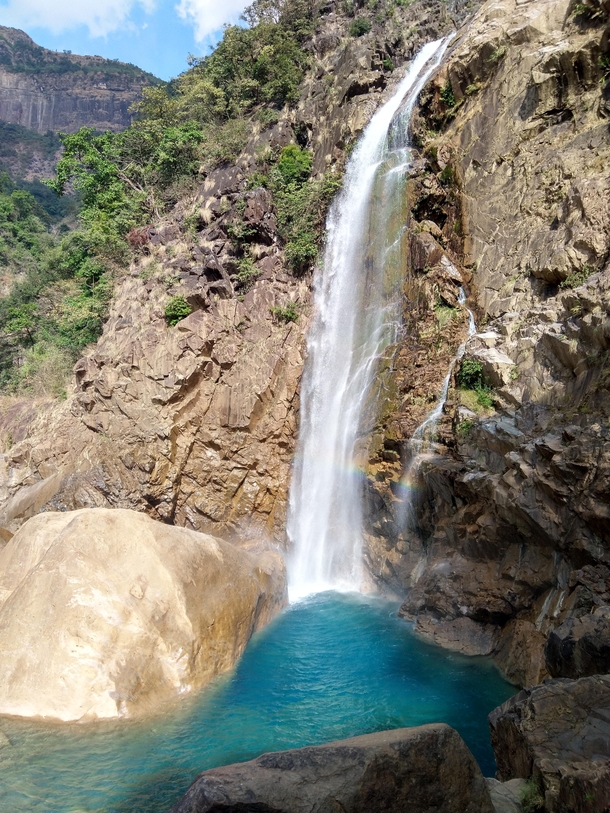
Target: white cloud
x=208, y=16
x=100, y=16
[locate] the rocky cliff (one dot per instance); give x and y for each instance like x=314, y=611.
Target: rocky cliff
x=196, y=423
x=45, y=90
x=510, y=527
x=497, y=536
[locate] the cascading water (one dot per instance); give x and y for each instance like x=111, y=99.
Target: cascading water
x=357, y=315
x=425, y=434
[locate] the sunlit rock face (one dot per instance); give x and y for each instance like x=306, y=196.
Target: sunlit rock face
x=107, y=613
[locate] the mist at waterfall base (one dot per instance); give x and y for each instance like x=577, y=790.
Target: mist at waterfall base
x=329, y=667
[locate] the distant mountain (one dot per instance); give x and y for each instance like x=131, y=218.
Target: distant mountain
x=45, y=90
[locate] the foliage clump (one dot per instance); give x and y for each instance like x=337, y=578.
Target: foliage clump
x=177, y=309
x=359, y=27
x=447, y=95
x=577, y=278
x=287, y=313
x=471, y=377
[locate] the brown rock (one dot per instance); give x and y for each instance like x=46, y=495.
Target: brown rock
x=580, y=646
x=559, y=733
x=425, y=251
x=415, y=769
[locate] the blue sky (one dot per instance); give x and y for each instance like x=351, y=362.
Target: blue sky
x=156, y=35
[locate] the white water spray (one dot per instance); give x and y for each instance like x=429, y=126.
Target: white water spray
x=357, y=316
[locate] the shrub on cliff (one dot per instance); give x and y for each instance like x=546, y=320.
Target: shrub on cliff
x=177, y=309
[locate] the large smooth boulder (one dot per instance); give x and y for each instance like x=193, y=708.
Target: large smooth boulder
x=419, y=770
x=580, y=647
x=105, y=613
x=559, y=734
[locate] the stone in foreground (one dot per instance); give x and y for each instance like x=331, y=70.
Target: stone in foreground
x=106, y=613
x=418, y=770
x=559, y=734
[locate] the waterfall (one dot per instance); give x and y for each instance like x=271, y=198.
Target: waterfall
x=425, y=434
x=357, y=303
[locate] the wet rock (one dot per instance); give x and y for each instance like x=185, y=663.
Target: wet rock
x=559, y=734
x=108, y=614
x=580, y=646
x=414, y=769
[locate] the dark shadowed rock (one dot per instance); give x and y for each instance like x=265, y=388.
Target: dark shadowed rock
x=410, y=769
x=559, y=734
x=580, y=647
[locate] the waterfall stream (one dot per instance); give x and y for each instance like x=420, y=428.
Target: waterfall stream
x=357, y=316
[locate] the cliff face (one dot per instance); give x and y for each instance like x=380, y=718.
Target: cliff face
x=501, y=533
x=196, y=424
x=510, y=532
x=43, y=90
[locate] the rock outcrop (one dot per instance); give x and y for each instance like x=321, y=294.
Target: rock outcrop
x=580, y=646
x=504, y=533
x=45, y=90
x=108, y=614
x=415, y=769
x=196, y=424
x=558, y=734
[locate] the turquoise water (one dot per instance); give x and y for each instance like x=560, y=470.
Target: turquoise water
x=329, y=667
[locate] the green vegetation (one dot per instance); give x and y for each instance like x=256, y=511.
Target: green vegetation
x=447, y=176
x=498, y=54
x=531, y=799
x=388, y=65
x=300, y=203
x=286, y=314
x=577, y=278
x=21, y=55
x=359, y=27
x=177, y=309
x=447, y=95
x=470, y=377
x=444, y=315
x=60, y=287
x=464, y=428
x=247, y=273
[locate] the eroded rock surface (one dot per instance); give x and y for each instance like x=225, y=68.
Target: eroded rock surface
x=580, y=646
x=107, y=613
x=504, y=532
x=46, y=90
x=559, y=734
x=196, y=424
x=415, y=769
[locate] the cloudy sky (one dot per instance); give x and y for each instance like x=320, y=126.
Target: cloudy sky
x=157, y=35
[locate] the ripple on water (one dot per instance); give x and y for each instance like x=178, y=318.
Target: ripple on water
x=329, y=667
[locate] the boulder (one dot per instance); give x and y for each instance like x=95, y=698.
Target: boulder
x=559, y=734
x=415, y=769
x=105, y=613
x=580, y=647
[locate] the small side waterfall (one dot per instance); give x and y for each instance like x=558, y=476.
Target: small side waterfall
x=357, y=316
x=425, y=434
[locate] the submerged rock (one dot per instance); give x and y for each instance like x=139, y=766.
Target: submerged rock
x=107, y=613
x=559, y=734
x=415, y=769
